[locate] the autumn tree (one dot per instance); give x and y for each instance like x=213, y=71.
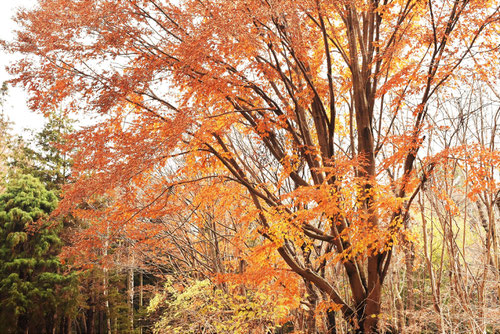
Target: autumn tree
x=317, y=110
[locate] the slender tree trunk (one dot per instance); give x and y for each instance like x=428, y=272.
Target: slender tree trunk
x=141, y=294
x=91, y=319
x=83, y=327
x=312, y=299
x=101, y=321
x=52, y=325
x=69, y=325
x=331, y=326
x=106, y=302
x=105, y=285
x=130, y=289
x=23, y=324
x=410, y=295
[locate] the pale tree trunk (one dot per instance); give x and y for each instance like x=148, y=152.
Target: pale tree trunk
x=130, y=288
x=435, y=283
x=141, y=294
x=130, y=291
x=106, y=301
x=496, y=251
x=105, y=285
x=410, y=303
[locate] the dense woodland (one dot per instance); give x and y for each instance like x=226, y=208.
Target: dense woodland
x=254, y=166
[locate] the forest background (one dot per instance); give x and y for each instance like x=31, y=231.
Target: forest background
x=254, y=167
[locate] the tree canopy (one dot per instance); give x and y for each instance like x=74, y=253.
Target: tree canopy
x=312, y=121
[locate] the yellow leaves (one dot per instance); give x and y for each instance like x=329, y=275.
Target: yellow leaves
x=234, y=309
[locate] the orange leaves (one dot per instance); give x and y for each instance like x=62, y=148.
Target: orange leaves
x=399, y=79
x=480, y=167
x=227, y=129
x=324, y=306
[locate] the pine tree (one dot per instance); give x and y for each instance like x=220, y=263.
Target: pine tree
x=34, y=292
x=44, y=158
x=5, y=136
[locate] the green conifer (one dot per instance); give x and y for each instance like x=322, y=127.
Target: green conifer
x=31, y=282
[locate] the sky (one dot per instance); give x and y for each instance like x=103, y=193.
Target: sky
x=15, y=105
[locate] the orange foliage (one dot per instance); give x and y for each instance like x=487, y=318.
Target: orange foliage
x=296, y=126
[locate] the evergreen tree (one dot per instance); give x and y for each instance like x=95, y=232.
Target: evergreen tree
x=44, y=158
x=35, y=295
x=5, y=136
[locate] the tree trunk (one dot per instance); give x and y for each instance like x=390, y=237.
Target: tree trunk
x=130, y=290
x=372, y=310
x=410, y=259
x=141, y=294
x=331, y=326
x=69, y=324
x=105, y=285
x=23, y=324
x=106, y=303
x=312, y=299
x=91, y=319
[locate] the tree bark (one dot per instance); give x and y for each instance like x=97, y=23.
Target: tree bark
x=130, y=300
x=331, y=326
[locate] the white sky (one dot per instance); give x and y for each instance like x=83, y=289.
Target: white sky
x=15, y=107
